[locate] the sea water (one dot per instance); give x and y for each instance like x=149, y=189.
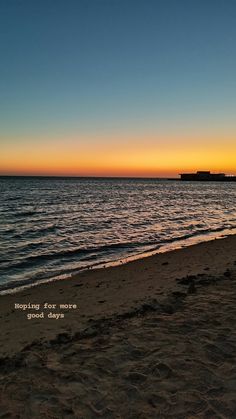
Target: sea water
x=54, y=227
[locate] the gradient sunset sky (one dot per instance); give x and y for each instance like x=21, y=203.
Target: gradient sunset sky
x=117, y=87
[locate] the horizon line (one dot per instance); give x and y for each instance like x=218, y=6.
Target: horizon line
x=89, y=177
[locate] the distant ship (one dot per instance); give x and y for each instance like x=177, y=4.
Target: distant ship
x=206, y=176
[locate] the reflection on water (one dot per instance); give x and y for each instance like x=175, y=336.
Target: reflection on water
x=51, y=227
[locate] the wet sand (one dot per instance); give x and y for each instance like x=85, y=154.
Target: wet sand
x=151, y=338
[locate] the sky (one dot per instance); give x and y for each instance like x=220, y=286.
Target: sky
x=117, y=87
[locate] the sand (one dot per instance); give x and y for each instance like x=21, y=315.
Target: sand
x=153, y=338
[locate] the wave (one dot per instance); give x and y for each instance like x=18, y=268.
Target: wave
x=30, y=260
x=25, y=214
x=36, y=232
x=93, y=253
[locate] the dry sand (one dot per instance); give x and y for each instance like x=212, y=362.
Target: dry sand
x=154, y=338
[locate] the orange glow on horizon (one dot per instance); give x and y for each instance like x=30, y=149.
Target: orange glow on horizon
x=139, y=157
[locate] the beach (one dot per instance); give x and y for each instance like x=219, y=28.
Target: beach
x=117, y=210
x=154, y=337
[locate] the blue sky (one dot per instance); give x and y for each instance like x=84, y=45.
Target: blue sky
x=117, y=68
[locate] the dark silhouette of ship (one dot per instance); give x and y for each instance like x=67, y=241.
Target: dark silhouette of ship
x=206, y=176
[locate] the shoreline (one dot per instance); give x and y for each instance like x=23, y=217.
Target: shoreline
x=103, y=293
x=154, y=337
x=166, y=247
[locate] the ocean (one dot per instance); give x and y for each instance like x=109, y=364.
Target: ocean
x=53, y=227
